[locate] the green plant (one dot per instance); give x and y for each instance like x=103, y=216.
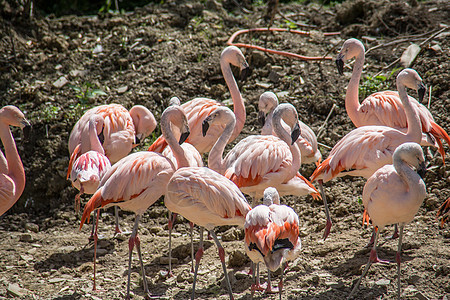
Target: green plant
x=86, y=92
x=374, y=84
x=50, y=112
x=290, y=25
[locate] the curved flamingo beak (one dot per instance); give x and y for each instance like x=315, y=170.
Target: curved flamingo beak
x=183, y=137
x=205, y=126
x=340, y=64
x=245, y=71
x=422, y=170
x=26, y=129
x=295, y=133
x=261, y=118
x=421, y=91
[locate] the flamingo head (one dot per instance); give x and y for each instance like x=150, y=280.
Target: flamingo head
x=267, y=103
x=411, y=79
x=271, y=196
x=220, y=116
x=144, y=122
x=288, y=114
x=350, y=49
x=233, y=55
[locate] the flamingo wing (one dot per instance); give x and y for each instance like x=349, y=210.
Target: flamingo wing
x=255, y=158
x=196, y=111
x=88, y=165
x=206, y=198
x=361, y=152
x=133, y=183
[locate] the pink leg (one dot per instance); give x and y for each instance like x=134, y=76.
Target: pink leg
x=94, y=288
x=372, y=259
x=191, y=227
x=222, y=260
x=257, y=286
x=395, y=234
x=198, y=256
x=172, y=218
x=270, y=289
x=116, y=217
x=398, y=259
x=131, y=243
x=327, y=212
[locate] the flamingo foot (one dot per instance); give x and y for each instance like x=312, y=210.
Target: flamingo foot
x=272, y=290
x=258, y=287
x=375, y=259
x=327, y=229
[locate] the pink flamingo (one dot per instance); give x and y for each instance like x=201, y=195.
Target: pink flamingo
x=393, y=195
x=199, y=108
x=444, y=211
x=89, y=168
x=207, y=199
x=261, y=161
x=12, y=175
x=366, y=149
x=122, y=130
x=271, y=235
x=385, y=108
x=194, y=159
x=307, y=141
x=138, y=180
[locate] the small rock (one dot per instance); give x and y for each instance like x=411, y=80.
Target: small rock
x=26, y=237
x=165, y=260
x=155, y=230
x=56, y=280
x=241, y=275
x=62, y=81
x=121, y=236
x=237, y=259
x=16, y=291
x=32, y=227
x=274, y=76
x=264, y=85
x=383, y=282
x=420, y=296
x=184, y=275
x=233, y=234
x=98, y=49
x=122, y=63
x=122, y=89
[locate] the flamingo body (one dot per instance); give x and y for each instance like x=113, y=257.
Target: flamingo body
x=12, y=174
x=88, y=170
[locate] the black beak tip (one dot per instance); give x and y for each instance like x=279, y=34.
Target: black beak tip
x=137, y=140
x=421, y=92
x=245, y=73
x=261, y=118
x=340, y=66
x=183, y=137
x=27, y=132
x=422, y=170
x=295, y=133
x=205, y=127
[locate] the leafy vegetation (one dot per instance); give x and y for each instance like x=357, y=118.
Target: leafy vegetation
x=374, y=84
x=86, y=92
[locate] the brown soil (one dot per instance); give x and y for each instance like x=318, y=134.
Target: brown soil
x=172, y=49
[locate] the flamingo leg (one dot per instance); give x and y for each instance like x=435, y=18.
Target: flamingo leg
x=372, y=239
x=372, y=259
x=222, y=260
x=94, y=288
x=172, y=218
x=131, y=243
x=95, y=215
x=191, y=227
x=395, y=234
x=270, y=289
x=327, y=212
x=198, y=256
x=138, y=248
x=398, y=259
x=280, y=284
x=116, y=215
x=257, y=286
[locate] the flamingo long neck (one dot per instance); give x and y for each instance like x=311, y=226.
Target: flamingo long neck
x=352, y=94
x=15, y=166
x=177, y=150
x=238, y=102
x=215, y=158
x=408, y=175
x=267, y=128
x=285, y=136
x=93, y=139
x=414, y=126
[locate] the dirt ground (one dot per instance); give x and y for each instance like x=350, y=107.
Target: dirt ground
x=172, y=48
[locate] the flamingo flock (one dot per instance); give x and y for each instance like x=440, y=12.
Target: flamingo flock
x=385, y=148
